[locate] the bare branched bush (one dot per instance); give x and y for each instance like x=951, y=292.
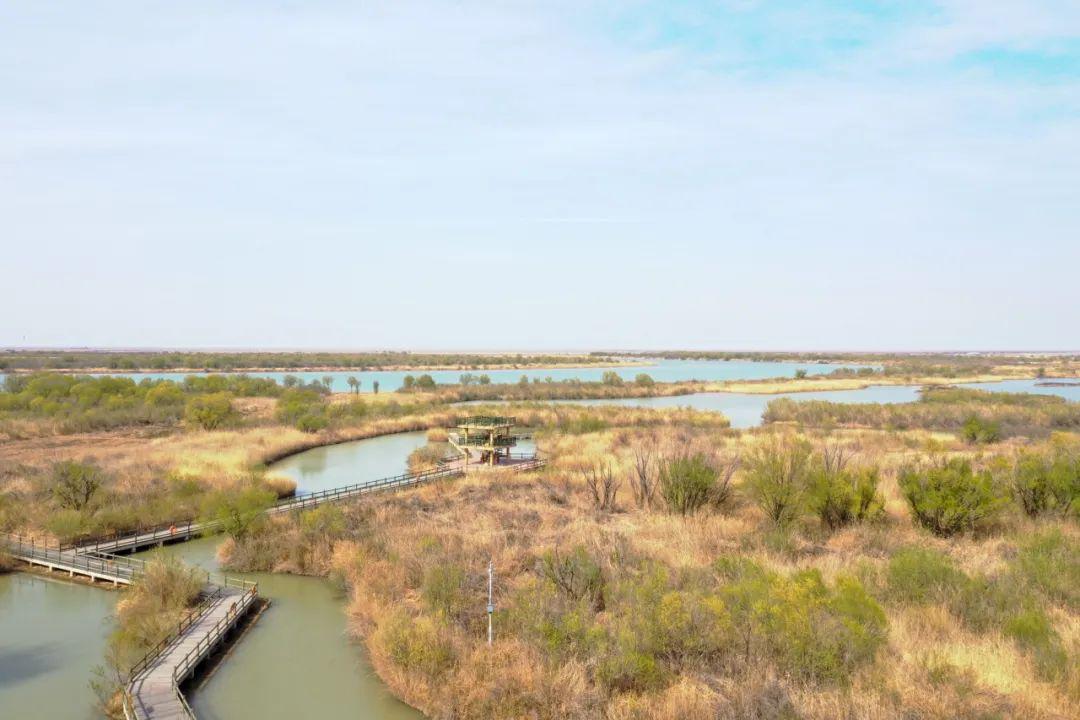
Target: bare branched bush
x=603, y=485
x=643, y=481
x=576, y=574
x=721, y=492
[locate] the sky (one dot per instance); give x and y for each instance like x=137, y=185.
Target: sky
x=784, y=174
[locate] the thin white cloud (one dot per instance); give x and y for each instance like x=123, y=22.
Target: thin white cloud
x=318, y=157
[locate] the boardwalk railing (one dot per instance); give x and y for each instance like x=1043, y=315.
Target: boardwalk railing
x=346, y=491
x=93, y=559
x=239, y=606
x=94, y=564
x=180, y=671
x=165, y=531
x=102, y=545
x=185, y=622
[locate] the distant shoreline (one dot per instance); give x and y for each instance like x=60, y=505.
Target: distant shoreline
x=318, y=368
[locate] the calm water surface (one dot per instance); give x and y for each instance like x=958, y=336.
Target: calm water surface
x=660, y=370
x=52, y=635
x=745, y=410
x=296, y=661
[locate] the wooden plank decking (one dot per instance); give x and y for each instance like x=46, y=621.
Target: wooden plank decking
x=154, y=691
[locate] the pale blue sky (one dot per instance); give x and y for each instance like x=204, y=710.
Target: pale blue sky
x=665, y=173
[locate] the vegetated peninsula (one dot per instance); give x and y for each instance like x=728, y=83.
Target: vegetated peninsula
x=913, y=560
x=18, y=360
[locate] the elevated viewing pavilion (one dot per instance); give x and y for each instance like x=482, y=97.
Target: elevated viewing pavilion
x=485, y=439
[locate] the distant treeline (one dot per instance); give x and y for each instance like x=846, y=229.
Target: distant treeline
x=612, y=387
x=979, y=415
x=849, y=357
x=232, y=361
x=946, y=365
x=82, y=403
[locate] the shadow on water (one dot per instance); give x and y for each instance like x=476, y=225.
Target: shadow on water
x=20, y=664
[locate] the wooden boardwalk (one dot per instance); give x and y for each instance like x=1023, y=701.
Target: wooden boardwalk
x=180, y=532
x=153, y=692
x=154, y=689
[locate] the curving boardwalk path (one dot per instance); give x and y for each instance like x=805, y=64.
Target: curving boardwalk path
x=154, y=689
x=153, y=692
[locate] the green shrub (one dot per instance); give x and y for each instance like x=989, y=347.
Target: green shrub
x=918, y=575
x=1064, y=482
x=644, y=380
x=416, y=645
x=164, y=394
x=312, y=422
x=1030, y=483
x=69, y=524
x=624, y=669
x=443, y=589
x=984, y=603
x=686, y=482
x=978, y=430
x=1050, y=564
x=803, y=626
x=776, y=478
x=949, y=497
x=682, y=625
x=562, y=626
x=238, y=510
x=297, y=403
x=74, y=484
x=841, y=496
x=1033, y=632
x=209, y=412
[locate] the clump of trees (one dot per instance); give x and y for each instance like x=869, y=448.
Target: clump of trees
x=240, y=509
x=658, y=625
x=784, y=476
x=423, y=383
x=85, y=403
x=211, y=411
x=75, y=484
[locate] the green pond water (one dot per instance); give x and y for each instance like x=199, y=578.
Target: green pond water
x=52, y=634
x=296, y=661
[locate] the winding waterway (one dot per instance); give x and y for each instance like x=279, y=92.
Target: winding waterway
x=297, y=660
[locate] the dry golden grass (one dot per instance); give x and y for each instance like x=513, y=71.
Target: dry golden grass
x=932, y=667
